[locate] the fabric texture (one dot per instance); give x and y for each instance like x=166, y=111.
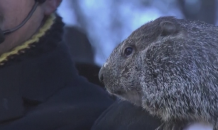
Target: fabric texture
x=41, y=90
x=123, y=115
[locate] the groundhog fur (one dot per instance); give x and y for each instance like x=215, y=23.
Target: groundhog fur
x=169, y=67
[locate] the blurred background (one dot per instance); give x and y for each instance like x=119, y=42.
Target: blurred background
x=95, y=27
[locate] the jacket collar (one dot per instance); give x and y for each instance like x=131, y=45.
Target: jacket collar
x=28, y=44
x=34, y=71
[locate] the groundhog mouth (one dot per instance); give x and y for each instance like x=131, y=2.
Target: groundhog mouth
x=131, y=96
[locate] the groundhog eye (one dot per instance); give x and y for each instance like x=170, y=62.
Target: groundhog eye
x=128, y=51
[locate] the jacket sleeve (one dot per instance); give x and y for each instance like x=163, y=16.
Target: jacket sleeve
x=124, y=116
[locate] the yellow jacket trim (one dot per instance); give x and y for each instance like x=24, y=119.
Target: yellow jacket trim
x=35, y=38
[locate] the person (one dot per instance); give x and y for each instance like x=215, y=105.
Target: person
x=40, y=88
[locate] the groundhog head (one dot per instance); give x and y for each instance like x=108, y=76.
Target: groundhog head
x=122, y=72
x=164, y=66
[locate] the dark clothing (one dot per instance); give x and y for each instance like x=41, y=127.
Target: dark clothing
x=41, y=90
x=124, y=116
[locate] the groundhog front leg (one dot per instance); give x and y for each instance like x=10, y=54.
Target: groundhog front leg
x=172, y=126
x=215, y=127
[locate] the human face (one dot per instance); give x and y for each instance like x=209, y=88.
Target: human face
x=13, y=12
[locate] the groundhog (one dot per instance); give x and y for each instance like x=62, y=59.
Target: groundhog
x=169, y=67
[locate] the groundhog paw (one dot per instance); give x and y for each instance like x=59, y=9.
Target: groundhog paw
x=170, y=126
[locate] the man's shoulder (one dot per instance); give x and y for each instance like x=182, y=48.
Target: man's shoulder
x=76, y=106
x=81, y=92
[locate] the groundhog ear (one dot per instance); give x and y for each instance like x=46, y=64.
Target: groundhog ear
x=167, y=28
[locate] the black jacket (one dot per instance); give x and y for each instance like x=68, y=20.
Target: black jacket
x=122, y=115
x=41, y=90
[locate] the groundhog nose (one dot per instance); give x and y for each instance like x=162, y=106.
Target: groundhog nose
x=101, y=75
